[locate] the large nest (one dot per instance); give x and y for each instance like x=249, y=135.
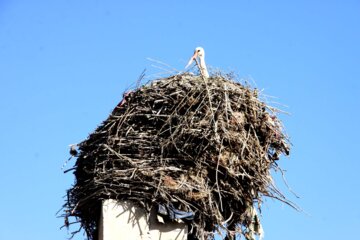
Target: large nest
x=202, y=146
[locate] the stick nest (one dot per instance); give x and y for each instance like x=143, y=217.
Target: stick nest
x=205, y=146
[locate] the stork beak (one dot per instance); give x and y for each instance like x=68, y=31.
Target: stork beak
x=192, y=59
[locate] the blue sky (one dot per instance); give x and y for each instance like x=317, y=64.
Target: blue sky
x=65, y=64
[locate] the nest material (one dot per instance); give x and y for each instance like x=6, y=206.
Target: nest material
x=205, y=146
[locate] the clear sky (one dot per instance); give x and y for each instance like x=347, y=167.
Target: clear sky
x=65, y=64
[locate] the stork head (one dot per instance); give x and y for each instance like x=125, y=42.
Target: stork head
x=198, y=52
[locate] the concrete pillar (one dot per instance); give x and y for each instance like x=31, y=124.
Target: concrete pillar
x=124, y=221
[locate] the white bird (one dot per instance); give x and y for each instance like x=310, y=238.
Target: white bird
x=199, y=53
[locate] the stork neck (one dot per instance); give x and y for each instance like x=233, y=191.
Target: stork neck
x=203, y=68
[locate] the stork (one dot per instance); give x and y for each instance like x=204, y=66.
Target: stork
x=199, y=53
